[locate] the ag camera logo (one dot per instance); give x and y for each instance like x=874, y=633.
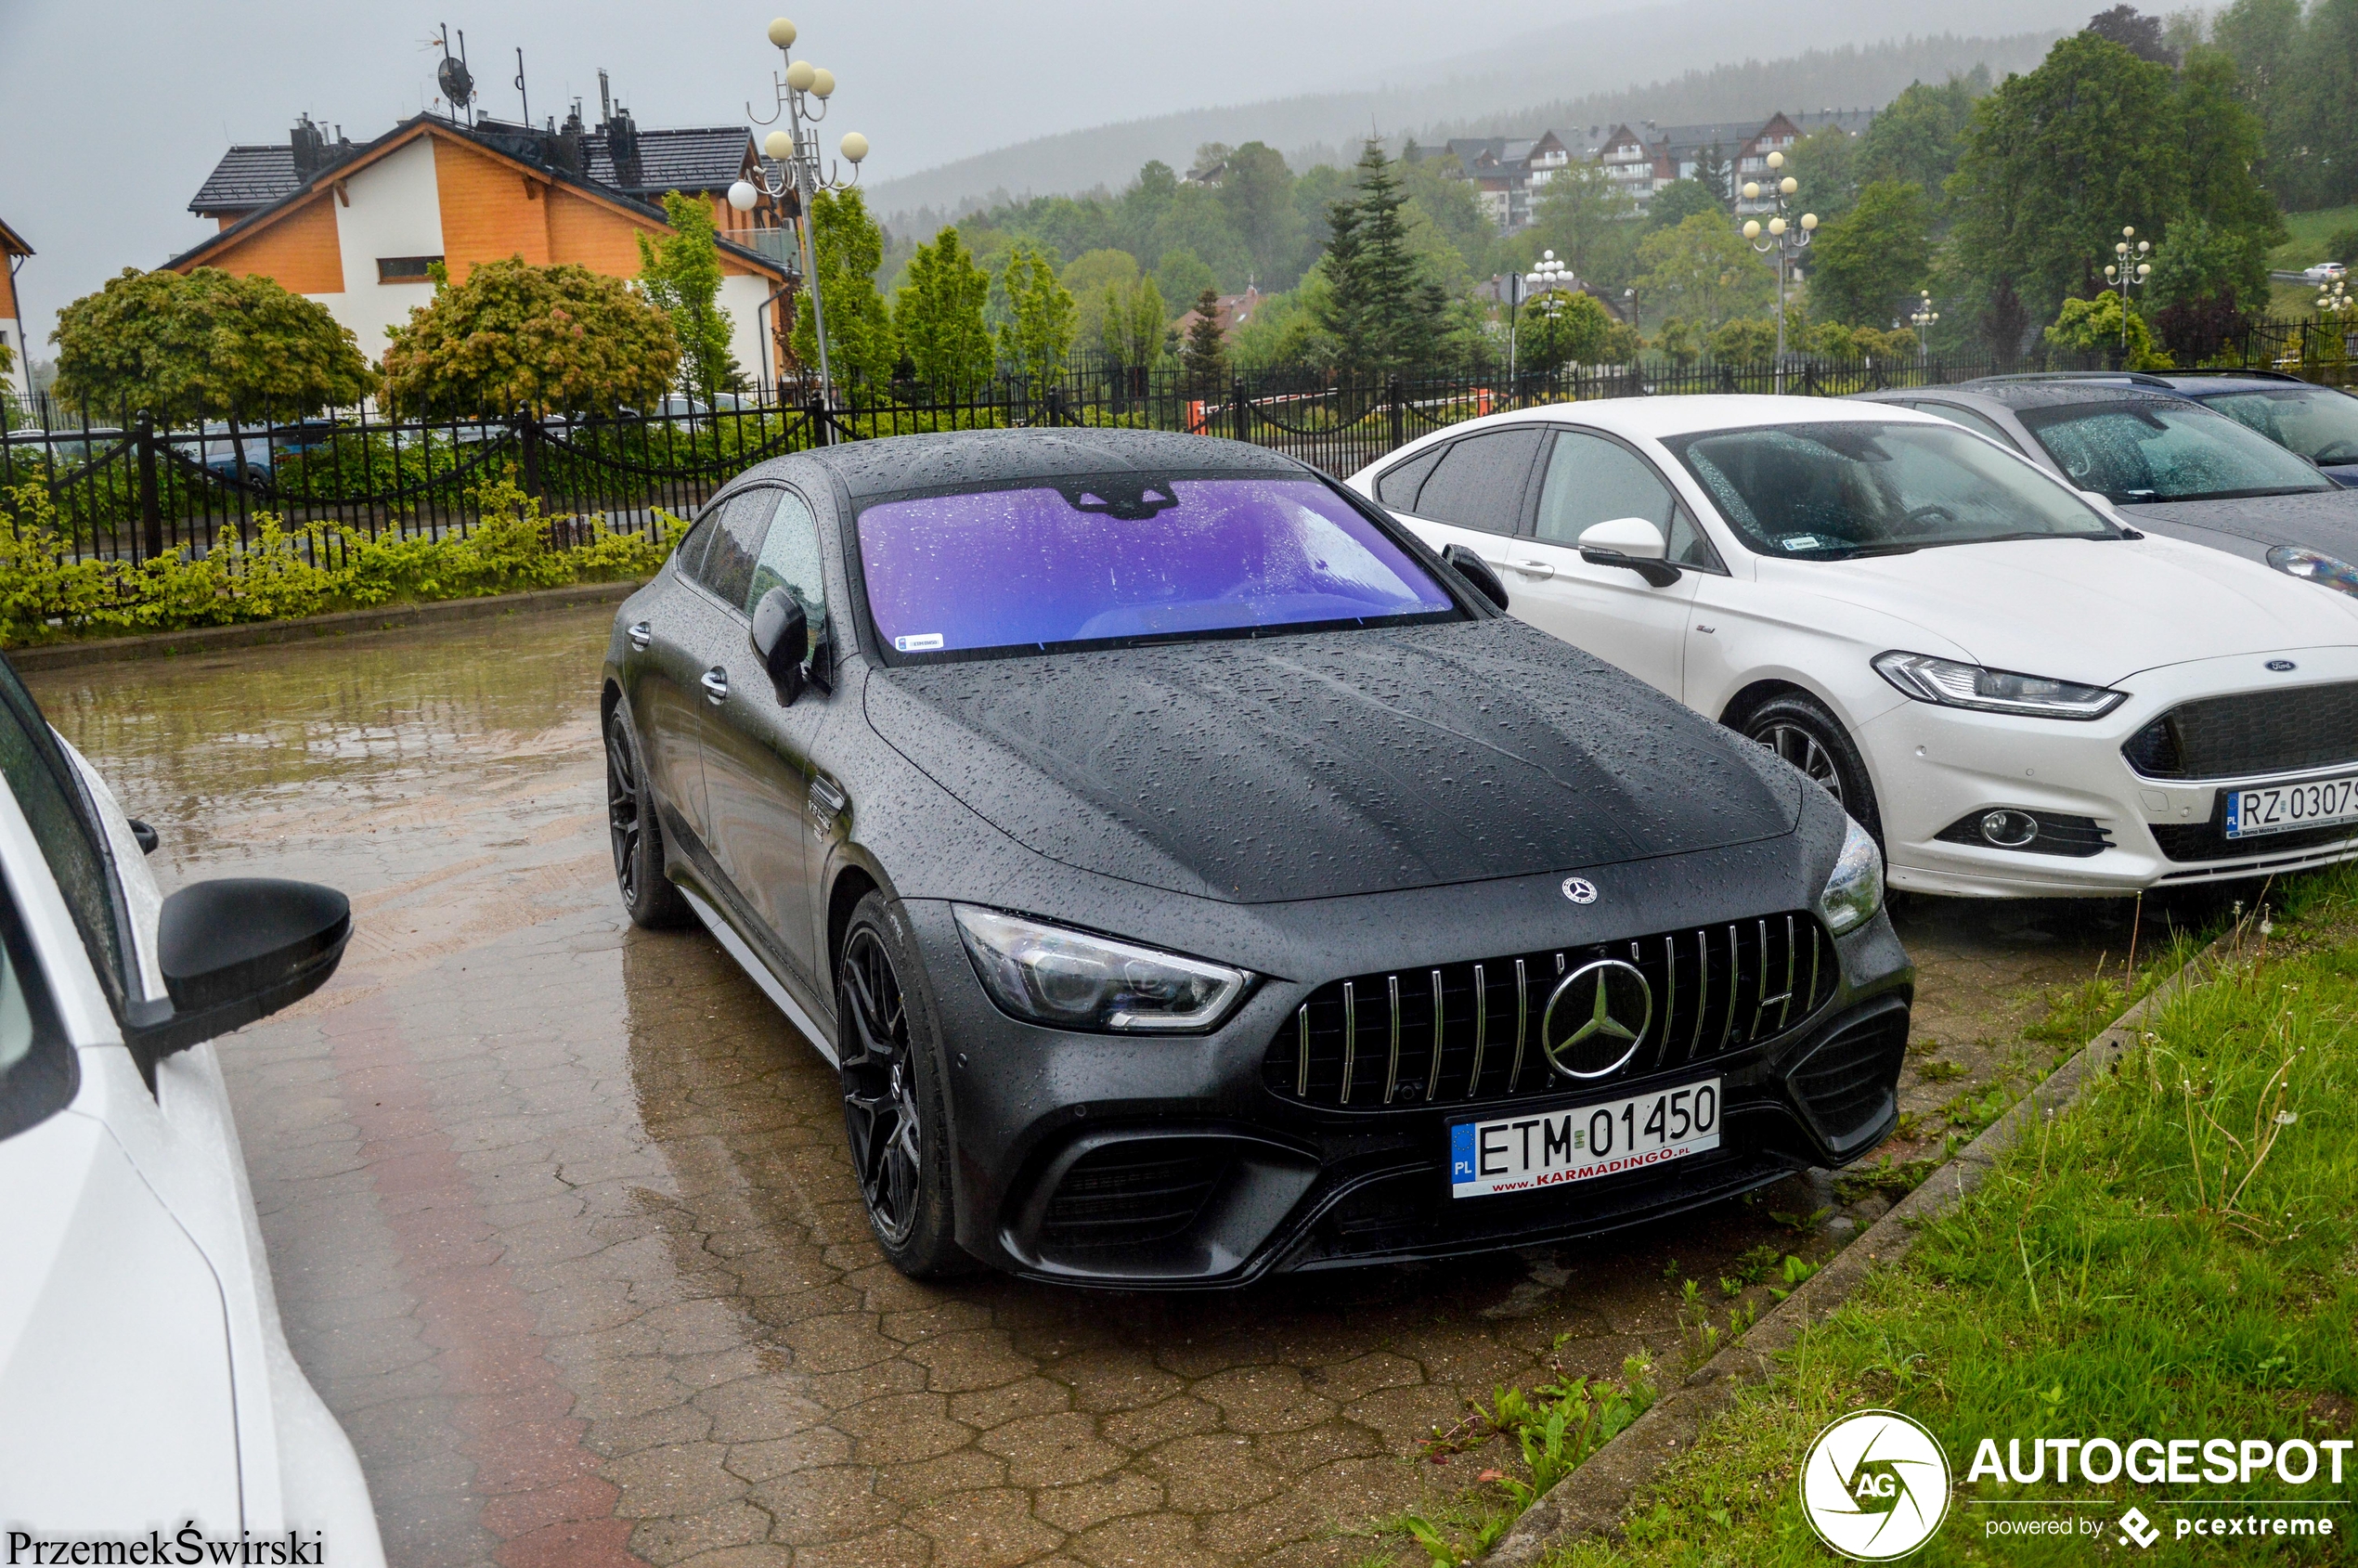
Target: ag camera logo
x=1874, y=1485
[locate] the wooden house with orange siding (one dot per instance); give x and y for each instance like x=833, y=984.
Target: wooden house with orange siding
x=357, y=226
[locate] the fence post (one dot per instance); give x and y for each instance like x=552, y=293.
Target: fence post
x=815, y=408
x=1240, y=408
x=1395, y=395
x=151, y=504
x=528, y=437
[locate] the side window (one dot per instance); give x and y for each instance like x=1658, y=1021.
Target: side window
x=1972, y=419
x=1591, y=480
x=1398, y=486
x=48, y=791
x=38, y=1070
x=1689, y=547
x=1479, y=483
x=789, y=559
x=692, y=548
x=727, y=567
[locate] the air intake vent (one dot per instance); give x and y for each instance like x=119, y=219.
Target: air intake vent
x=1461, y=1033
x=2251, y=733
x=1848, y=1082
x=1127, y=1194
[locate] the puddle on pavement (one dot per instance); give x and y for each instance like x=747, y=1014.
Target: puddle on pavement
x=564, y=1231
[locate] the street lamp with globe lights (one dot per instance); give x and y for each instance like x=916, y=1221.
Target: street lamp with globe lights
x=1924, y=317
x=1551, y=279
x=802, y=91
x=2127, y=273
x=1786, y=238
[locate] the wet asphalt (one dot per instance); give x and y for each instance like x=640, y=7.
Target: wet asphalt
x=563, y=1228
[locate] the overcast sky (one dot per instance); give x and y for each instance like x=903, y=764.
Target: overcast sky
x=113, y=113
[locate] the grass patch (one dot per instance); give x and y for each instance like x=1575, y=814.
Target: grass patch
x=2310, y=231
x=2176, y=1255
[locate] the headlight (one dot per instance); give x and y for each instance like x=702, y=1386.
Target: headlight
x=2310, y=565
x=1853, y=892
x=1069, y=979
x=1951, y=685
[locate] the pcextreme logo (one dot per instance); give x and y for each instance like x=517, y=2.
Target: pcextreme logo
x=1874, y=1485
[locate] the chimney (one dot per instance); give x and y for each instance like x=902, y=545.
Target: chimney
x=622, y=145
x=310, y=146
x=569, y=149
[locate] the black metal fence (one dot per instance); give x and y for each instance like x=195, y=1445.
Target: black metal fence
x=130, y=489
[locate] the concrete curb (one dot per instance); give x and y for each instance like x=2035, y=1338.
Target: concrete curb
x=1590, y=1501
x=214, y=639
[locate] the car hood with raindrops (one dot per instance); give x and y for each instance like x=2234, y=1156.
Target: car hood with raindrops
x=1331, y=763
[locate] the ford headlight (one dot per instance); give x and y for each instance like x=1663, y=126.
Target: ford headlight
x=1853, y=892
x=2310, y=565
x=1951, y=685
x=1070, y=980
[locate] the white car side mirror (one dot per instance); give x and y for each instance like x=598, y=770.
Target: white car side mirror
x=1633, y=536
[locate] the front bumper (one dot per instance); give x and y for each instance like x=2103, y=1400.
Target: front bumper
x=1169, y=1163
x=1939, y=767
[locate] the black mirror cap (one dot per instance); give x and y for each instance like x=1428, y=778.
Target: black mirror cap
x=1661, y=574
x=782, y=635
x=1476, y=571
x=238, y=949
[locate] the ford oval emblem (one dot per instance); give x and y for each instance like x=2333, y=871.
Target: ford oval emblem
x=1580, y=891
x=2280, y=665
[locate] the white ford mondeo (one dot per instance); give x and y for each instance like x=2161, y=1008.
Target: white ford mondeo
x=2016, y=691
x=151, y=1410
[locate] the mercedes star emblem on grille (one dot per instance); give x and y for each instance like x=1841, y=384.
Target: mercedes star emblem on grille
x=1596, y=1017
x=1580, y=891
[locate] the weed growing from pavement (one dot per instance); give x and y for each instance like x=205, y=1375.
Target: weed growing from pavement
x=2173, y=1255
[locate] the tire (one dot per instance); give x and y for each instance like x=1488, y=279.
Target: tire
x=649, y=897
x=895, y=1121
x=1796, y=727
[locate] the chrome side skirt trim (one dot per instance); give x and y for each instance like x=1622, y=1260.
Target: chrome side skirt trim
x=747, y=960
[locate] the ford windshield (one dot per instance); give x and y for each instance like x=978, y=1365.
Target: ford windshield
x=1118, y=560
x=1832, y=492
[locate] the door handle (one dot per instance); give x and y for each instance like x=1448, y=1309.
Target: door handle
x=1533, y=568
x=640, y=635
x=716, y=685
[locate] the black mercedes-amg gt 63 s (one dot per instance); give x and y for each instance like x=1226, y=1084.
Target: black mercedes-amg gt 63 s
x=1193, y=877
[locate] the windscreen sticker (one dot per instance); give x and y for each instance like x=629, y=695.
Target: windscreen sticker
x=923, y=642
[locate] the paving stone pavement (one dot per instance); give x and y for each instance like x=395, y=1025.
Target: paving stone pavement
x=564, y=1231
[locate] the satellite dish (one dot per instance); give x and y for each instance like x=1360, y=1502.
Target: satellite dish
x=458, y=84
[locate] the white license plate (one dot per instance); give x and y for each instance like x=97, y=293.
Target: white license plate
x=2282, y=807
x=1540, y=1148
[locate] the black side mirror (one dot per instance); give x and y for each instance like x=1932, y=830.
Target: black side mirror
x=1475, y=570
x=782, y=635
x=235, y=949
x=1661, y=574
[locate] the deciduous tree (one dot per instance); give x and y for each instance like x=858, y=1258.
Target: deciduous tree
x=1703, y=271
x=679, y=273
x=1587, y=220
x=1575, y=332
x=849, y=248
x=1865, y=262
x=1040, y=328
x=1132, y=321
x=1679, y=200
x=560, y=338
x=185, y=347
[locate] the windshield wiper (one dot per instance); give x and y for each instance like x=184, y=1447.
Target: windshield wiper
x=1858, y=551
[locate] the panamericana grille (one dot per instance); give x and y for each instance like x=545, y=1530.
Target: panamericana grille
x=2250, y=732
x=1455, y=1033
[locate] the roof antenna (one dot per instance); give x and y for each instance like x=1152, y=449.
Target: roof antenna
x=520, y=93
x=605, y=99
x=458, y=84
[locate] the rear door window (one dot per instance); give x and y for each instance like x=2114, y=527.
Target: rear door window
x=49, y=790
x=1479, y=481
x=1398, y=486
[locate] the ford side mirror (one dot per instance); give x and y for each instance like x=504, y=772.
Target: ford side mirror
x=1475, y=570
x=234, y=949
x=1631, y=543
x=782, y=635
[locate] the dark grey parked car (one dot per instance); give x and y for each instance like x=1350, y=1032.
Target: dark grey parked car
x=2167, y=464
x=1193, y=877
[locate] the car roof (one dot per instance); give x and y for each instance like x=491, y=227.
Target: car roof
x=985, y=459
x=2058, y=394
x=1691, y=413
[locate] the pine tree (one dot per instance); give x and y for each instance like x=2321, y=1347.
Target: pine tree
x=1383, y=306
x=1205, y=354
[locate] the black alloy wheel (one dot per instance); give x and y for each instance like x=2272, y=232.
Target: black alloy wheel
x=649, y=897
x=1797, y=727
x=892, y=1108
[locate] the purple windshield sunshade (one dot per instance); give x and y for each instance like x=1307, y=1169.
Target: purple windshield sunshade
x=1020, y=568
